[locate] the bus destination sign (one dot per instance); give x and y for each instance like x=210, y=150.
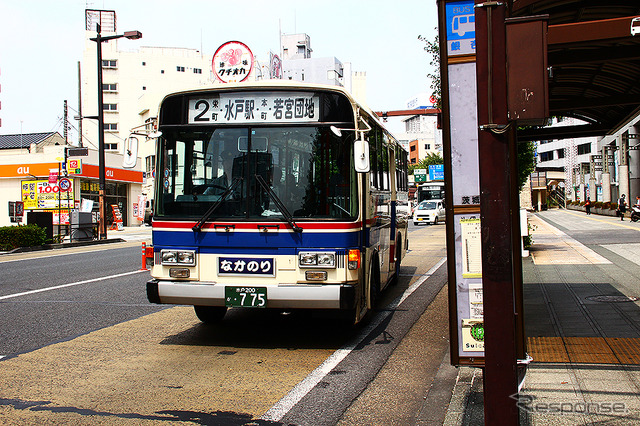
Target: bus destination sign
x=249, y=107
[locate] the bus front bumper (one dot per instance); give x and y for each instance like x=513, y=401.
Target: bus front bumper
x=282, y=296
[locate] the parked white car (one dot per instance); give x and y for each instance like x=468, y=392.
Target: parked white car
x=430, y=211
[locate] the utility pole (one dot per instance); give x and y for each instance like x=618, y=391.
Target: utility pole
x=79, y=105
x=65, y=122
x=102, y=229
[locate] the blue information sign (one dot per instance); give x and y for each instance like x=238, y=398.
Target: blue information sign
x=461, y=28
x=436, y=172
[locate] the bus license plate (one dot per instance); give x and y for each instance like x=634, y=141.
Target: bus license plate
x=247, y=297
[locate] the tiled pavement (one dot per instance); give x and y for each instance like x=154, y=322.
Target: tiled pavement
x=582, y=321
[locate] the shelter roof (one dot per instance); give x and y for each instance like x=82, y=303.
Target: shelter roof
x=594, y=61
x=23, y=140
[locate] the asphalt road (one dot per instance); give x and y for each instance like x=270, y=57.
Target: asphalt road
x=47, y=297
x=81, y=345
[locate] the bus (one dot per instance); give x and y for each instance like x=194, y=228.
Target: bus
x=275, y=195
x=433, y=190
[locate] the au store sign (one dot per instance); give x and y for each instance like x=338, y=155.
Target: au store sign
x=40, y=194
x=461, y=28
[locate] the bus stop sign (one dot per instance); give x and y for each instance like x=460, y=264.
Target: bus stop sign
x=461, y=28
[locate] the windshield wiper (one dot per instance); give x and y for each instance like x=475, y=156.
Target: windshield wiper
x=198, y=226
x=288, y=217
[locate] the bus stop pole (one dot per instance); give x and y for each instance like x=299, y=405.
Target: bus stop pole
x=497, y=209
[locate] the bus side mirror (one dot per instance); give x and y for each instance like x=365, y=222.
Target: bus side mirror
x=361, y=156
x=130, y=157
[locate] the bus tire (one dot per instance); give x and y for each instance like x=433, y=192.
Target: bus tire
x=210, y=314
x=398, y=261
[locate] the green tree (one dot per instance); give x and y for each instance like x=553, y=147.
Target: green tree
x=526, y=162
x=433, y=49
x=431, y=159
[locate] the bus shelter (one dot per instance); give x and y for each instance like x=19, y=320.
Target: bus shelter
x=507, y=67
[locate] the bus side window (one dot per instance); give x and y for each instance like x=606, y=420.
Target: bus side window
x=403, y=178
x=373, y=158
x=380, y=166
x=385, y=164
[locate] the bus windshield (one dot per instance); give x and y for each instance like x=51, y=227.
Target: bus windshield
x=431, y=192
x=308, y=169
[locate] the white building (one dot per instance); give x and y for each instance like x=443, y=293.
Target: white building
x=298, y=65
x=561, y=158
x=134, y=83
x=421, y=135
x=295, y=46
x=563, y=170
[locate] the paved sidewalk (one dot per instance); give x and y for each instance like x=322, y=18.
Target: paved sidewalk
x=132, y=233
x=582, y=321
x=128, y=233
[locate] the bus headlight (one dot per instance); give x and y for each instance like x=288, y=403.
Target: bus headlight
x=178, y=257
x=327, y=259
x=310, y=259
x=186, y=258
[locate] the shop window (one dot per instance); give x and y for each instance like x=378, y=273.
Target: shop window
x=150, y=164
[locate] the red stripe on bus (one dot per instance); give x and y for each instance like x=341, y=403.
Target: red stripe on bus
x=255, y=225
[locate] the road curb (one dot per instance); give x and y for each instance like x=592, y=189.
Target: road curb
x=62, y=245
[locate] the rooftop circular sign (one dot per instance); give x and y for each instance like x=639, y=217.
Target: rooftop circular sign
x=232, y=62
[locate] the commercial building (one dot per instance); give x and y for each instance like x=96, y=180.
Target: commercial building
x=424, y=137
x=601, y=168
x=421, y=135
x=134, y=81
x=46, y=175
x=554, y=180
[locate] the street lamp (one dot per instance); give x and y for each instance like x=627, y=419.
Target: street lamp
x=131, y=35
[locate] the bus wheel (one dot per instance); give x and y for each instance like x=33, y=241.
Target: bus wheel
x=210, y=314
x=396, y=276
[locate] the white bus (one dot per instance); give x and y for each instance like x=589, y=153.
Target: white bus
x=275, y=195
x=433, y=190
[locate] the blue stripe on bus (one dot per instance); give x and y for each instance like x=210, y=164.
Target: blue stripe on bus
x=254, y=240
x=393, y=220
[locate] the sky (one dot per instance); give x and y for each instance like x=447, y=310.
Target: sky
x=41, y=42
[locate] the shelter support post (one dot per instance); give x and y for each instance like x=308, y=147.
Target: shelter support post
x=499, y=217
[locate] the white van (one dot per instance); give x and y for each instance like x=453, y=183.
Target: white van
x=429, y=211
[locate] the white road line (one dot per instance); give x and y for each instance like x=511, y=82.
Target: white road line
x=11, y=296
x=282, y=407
